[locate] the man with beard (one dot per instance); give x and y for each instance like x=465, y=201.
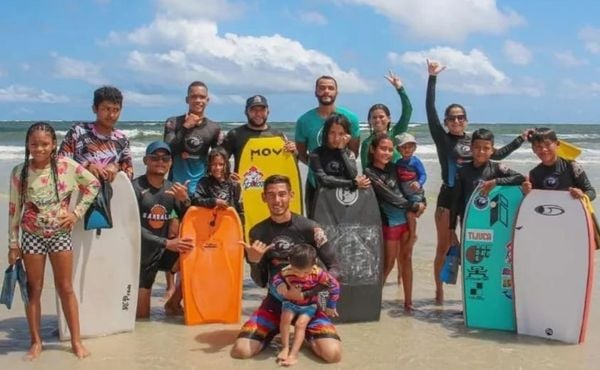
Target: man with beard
x=190, y=136
x=267, y=253
x=257, y=112
x=310, y=125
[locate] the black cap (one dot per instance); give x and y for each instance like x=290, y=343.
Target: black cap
x=256, y=100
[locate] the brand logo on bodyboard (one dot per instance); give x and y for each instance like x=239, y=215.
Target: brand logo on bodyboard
x=253, y=178
x=345, y=196
x=549, y=210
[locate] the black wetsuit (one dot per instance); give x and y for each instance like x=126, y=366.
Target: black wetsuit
x=387, y=189
x=156, y=209
x=210, y=189
x=454, y=151
x=283, y=236
x=562, y=175
x=238, y=137
x=469, y=177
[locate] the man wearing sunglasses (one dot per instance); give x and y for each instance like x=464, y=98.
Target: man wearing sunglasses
x=159, y=203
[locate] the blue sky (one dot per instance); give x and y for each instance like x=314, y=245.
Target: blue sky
x=507, y=61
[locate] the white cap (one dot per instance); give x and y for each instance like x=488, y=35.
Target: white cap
x=404, y=138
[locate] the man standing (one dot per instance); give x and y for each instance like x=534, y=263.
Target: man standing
x=158, y=203
x=190, y=136
x=270, y=244
x=98, y=146
x=310, y=125
x=257, y=112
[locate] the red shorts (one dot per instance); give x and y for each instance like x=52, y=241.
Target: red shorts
x=393, y=233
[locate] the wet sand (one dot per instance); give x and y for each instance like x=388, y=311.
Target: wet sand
x=433, y=337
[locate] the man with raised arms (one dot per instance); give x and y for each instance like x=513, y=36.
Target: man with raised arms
x=267, y=253
x=309, y=128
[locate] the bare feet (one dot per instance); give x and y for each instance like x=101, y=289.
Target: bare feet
x=79, y=350
x=173, y=309
x=283, y=355
x=168, y=294
x=34, y=352
x=408, y=307
x=291, y=360
x=439, y=297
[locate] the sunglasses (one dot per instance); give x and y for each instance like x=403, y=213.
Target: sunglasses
x=157, y=157
x=459, y=117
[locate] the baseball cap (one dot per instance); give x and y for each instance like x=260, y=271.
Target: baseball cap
x=256, y=100
x=404, y=138
x=156, y=145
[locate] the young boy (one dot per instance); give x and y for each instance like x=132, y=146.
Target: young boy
x=480, y=171
x=555, y=173
x=303, y=273
x=411, y=178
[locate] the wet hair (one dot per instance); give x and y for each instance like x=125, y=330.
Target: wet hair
x=303, y=256
x=378, y=138
x=216, y=152
x=373, y=108
x=454, y=105
x=44, y=127
x=334, y=119
x=542, y=134
x=482, y=134
x=325, y=77
x=277, y=179
x=196, y=84
x=108, y=93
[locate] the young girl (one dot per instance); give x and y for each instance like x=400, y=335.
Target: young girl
x=217, y=189
x=379, y=119
x=40, y=192
x=333, y=164
x=303, y=273
x=393, y=206
x=453, y=149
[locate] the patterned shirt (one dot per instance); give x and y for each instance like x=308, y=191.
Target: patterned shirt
x=317, y=277
x=41, y=209
x=86, y=145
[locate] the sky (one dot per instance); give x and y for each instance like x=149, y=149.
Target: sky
x=510, y=61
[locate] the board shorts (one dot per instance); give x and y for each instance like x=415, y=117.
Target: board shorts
x=444, y=199
x=308, y=310
x=394, y=233
x=166, y=262
x=35, y=244
x=263, y=325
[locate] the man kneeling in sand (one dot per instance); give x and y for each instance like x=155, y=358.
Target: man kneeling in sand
x=270, y=244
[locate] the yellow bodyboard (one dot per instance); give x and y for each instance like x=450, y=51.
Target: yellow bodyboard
x=568, y=151
x=261, y=158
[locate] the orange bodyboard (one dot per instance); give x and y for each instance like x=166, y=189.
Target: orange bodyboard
x=212, y=273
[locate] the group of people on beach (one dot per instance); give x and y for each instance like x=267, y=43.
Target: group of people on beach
x=191, y=167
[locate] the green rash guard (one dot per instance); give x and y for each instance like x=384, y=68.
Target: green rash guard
x=400, y=127
x=309, y=129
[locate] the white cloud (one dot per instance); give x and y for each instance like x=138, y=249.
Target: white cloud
x=179, y=49
x=591, y=39
x=145, y=100
x=313, y=18
x=517, y=53
x=445, y=20
x=575, y=89
x=70, y=68
x=23, y=94
x=471, y=73
x=568, y=59
x=205, y=9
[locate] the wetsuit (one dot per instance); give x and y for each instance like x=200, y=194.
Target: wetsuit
x=408, y=171
x=469, y=177
x=236, y=139
x=195, y=141
x=333, y=168
x=210, y=189
x=454, y=151
x=562, y=175
x=400, y=127
x=263, y=325
x=157, y=209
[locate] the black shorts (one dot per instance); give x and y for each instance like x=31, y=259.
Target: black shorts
x=444, y=199
x=165, y=262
